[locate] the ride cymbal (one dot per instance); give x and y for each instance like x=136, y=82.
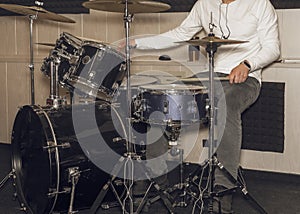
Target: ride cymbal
x=38, y=11
x=134, y=6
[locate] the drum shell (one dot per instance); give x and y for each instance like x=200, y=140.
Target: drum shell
x=182, y=106
x=42, y=157
x=99, y=72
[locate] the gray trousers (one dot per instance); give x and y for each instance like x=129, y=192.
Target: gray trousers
x=238, y=97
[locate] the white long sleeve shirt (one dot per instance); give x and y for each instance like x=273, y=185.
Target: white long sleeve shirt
x=254, y=21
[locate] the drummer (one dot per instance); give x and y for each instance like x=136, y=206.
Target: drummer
x=254, y=21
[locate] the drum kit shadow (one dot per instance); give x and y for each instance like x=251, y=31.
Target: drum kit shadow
x=65, y=158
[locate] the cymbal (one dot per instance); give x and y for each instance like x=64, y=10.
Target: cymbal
x=45, y=44
x=134, y=6
x=212, y=40
x=34, y=10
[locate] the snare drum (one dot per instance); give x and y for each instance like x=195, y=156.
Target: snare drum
x=161, y=104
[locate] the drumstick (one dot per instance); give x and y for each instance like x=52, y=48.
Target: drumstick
x=202, y=79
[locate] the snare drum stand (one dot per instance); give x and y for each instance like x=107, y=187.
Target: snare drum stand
x=211, y=48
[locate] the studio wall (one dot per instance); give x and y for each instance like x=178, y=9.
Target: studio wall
x=109, y=27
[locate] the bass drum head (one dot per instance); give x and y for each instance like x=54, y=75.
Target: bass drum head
x=29, y=161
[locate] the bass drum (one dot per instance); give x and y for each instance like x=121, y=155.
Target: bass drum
x=46, y=149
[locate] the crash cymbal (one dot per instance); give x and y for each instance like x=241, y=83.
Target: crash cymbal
x=212, y=40
x=45, y=44
x=34, y=10
x=134, y=6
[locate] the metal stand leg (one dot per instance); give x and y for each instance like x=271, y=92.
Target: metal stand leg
x=74, y=175
x=109, y=185
x=6, y=178
x=239, y=185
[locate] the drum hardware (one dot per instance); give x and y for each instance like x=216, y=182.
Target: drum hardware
x=10, y=175
x=74, y=175
x=51, y=145
x=53, y=193
x=211, y=44
x=54, y=99
x=33, y=13
x=173, y=131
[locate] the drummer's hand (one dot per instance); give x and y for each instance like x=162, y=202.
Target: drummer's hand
x=122, y=44
x=239, y=74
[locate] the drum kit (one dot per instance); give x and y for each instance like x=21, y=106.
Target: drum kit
x=54, y=151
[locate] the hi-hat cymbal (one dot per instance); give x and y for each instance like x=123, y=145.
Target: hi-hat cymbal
x=45, y=44
x=134, y=6
x=34, y=10
x=210, y=40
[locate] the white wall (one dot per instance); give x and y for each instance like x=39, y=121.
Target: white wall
x=288, y=73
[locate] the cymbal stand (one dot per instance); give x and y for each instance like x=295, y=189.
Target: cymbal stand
x=31, y=63
x=127, y=20
x=213, y=162
x=128, y=161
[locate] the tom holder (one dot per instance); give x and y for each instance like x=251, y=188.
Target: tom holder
x=54, y=99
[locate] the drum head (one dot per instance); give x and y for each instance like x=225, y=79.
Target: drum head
x=30, y=162
x=138, y=80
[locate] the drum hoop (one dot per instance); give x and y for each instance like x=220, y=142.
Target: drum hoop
x=71, y=39
x=104, y=47
x=40, y=113
x=55, y=146
x=94, y=89
x=187, y=91
x=168, y=122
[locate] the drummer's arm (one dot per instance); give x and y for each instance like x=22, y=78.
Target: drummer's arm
x=188, y=28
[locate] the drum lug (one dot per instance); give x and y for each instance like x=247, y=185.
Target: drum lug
x=143, y=105
x=192, y=107
x=23, y=207
x=92, y=75
x=166, y=107
x=73, y=172
x=52, y=145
